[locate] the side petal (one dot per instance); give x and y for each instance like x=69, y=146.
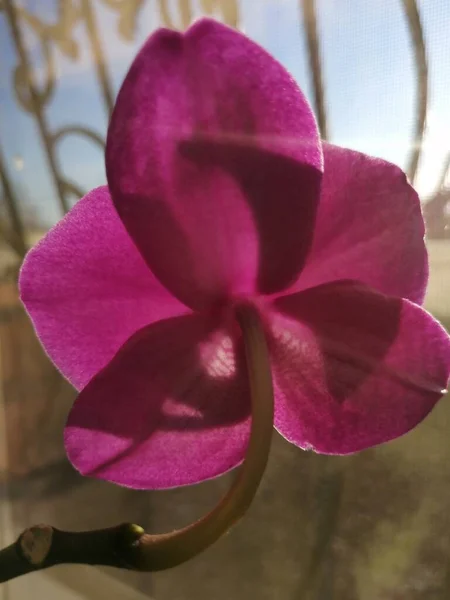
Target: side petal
x=214, y=164
x=354, y=368
x=87, y=289
x=172, y=408
x=369, y=227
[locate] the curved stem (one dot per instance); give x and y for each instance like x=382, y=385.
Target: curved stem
x=157, y=552
x=128, y=546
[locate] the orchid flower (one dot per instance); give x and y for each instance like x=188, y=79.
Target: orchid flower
x=232, y=258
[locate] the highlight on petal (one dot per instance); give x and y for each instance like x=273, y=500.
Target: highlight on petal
x=172, y=408
x=354, y=368
x=87, y=289
x=369, y=227
x=211, y=141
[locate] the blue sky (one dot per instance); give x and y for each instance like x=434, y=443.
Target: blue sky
x=368, y=73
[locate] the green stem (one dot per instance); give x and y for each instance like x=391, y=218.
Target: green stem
x=128, y=546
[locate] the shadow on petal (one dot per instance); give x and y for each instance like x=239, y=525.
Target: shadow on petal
x=156, y=416
x=355, y=368
x=282, y=194
x=354, y=328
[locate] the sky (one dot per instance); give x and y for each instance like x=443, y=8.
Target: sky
x=368, y=73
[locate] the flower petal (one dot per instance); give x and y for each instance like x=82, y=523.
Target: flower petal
x=214, y=164
x=354, y=368
x=87, y=289
x=369, y=227
x=172, y=408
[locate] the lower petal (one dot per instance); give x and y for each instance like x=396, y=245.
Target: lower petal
x=172, y=408
x=354, y=368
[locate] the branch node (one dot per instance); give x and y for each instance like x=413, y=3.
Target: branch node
x=35, y=544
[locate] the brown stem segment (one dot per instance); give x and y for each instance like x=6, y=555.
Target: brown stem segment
x=129, y=546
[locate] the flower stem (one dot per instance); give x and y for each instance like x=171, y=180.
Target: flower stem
x=129, y=546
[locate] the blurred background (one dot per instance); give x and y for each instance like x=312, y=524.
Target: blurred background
x=374, y=526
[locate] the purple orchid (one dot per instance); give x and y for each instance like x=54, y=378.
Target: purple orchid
x=220, y=195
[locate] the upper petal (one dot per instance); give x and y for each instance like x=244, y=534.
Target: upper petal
x=214, y=163
x=353, y=367
x=87, y=289
x=369, y=227
x=172, y=408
